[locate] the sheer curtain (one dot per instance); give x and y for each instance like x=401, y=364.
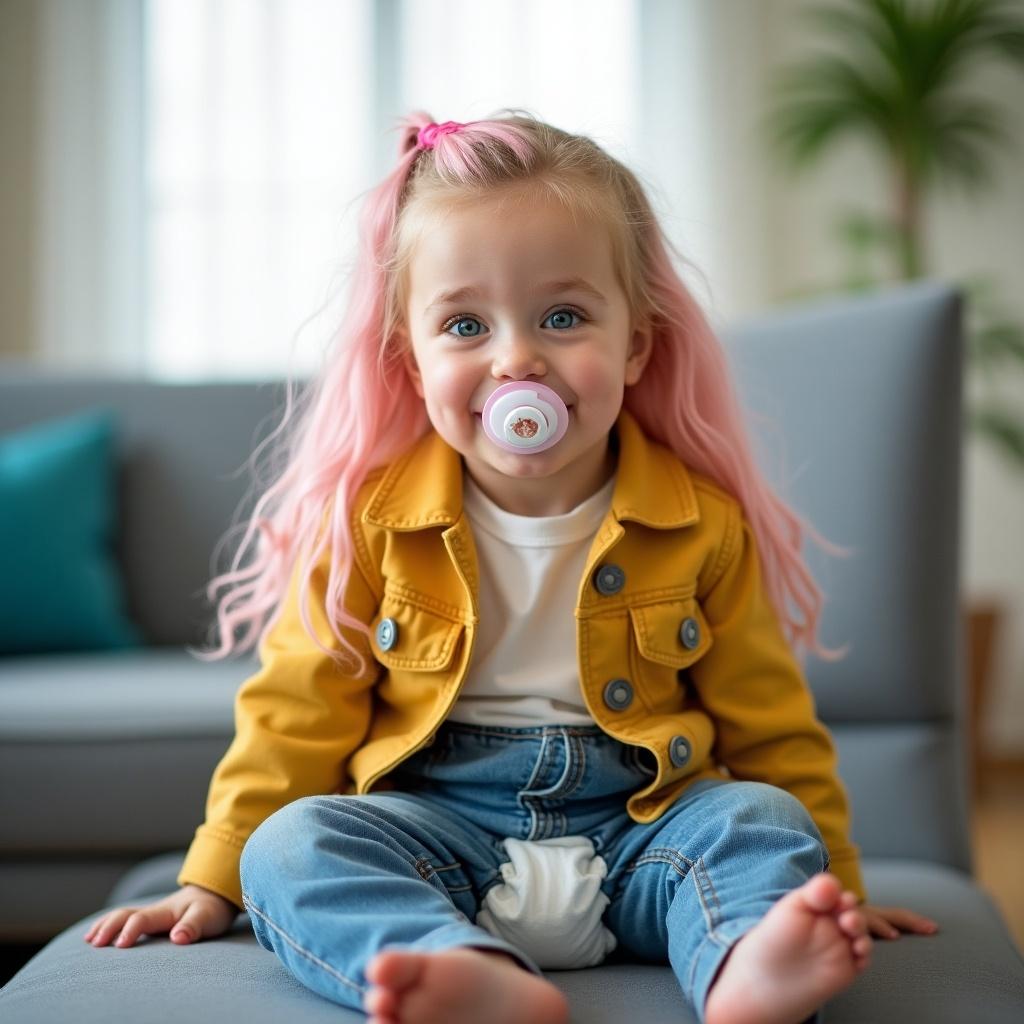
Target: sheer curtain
x=258, y=116
x=268, y=120
x=202, y=161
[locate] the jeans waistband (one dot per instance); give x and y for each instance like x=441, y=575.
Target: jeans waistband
x=523, y=731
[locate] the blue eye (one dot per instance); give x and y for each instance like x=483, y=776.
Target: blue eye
x=455, y=321
x=566, y=312
x=462, y=320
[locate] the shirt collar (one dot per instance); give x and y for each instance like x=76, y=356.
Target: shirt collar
x=423, y=487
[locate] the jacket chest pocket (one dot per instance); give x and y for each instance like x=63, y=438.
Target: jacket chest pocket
x=669, y=636
x=408, y=634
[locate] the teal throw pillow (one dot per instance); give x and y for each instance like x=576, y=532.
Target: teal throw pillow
x=60, y=588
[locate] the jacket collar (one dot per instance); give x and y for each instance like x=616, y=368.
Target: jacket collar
x=423, y=487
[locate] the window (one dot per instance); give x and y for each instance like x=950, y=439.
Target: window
x=268, y=119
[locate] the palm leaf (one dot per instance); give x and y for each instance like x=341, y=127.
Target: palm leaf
x=820, y=100
x=894, y=81
x=1000, y=428
x=964, y=132
x=998, y=342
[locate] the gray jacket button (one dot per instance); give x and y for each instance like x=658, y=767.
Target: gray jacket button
x=609, y=579
x=689, y=633
x=387, y=634
x=618, y=694
x=679, y=751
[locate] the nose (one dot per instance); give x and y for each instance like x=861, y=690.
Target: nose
x=517, y=357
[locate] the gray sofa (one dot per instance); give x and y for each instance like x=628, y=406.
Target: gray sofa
x=110, y=754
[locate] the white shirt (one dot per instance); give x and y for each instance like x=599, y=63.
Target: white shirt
x=524, y=669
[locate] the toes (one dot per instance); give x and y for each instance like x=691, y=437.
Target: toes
x=381, y=1003
x=853, y=923
x=395, y=970
x=821, y=892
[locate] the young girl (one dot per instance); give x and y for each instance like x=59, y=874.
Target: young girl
x=519, y=596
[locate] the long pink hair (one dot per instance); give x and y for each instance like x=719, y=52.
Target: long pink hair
x=361, y=410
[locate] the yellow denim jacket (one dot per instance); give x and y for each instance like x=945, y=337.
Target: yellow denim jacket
x=671, y=602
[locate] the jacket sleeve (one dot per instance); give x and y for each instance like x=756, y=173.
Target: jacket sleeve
x=751, y=684
x=297, y=721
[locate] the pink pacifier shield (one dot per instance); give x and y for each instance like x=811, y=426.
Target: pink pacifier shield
x=525, y=417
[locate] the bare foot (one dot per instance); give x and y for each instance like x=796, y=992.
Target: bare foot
x=810, y=945
x=459, y=986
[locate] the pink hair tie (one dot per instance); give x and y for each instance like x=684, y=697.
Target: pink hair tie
x=430, y=133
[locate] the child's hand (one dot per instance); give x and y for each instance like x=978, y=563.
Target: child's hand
x=886, y=922
x=193, y=912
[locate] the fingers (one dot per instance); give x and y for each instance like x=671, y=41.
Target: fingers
x=887, y=922
x=190, y=927
x=911, y=922
x=884, y=930
x=126, y=924
x=188, y=916
x=107, y=926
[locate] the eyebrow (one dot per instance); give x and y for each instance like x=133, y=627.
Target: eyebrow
x=570, y=284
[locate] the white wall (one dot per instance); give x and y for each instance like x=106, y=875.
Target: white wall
x=18, y=40
x=964, y=237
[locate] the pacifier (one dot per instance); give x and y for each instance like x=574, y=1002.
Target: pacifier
x=524, y=416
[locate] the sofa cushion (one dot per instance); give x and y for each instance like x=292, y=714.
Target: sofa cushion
x=182, y=453
x=113, y=751
x=968, y=971
x=59, y=583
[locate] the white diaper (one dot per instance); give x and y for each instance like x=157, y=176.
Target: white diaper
x=551, y=903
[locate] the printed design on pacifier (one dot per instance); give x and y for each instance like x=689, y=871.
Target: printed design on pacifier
x=525, y=416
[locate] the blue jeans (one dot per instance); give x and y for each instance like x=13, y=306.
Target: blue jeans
x=329, y=881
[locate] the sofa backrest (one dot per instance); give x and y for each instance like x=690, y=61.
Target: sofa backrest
x=865, y=393
x=182, y=451
x=863, y=402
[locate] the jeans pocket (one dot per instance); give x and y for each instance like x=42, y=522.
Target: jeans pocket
x=642, y=760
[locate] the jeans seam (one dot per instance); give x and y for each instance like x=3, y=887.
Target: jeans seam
x=251, y=908
x=712, y=915
x=695, y=959
x=541, y=755
x=426, y=870
x=581, y=767
x=523, y=797
x=571, y=774
x=443, y=867
x=701, y=871
x=577, y=752
x=663, y=855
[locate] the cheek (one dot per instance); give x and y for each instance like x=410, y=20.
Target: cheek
x=448, y=384
x=597, y=380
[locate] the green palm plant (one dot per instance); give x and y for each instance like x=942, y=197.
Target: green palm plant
x=899, y=78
